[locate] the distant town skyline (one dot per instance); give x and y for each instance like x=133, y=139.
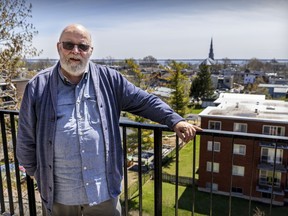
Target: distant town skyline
x=168, y=29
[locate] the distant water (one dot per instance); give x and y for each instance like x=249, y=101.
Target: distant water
x=187, y=61
x=233, y=61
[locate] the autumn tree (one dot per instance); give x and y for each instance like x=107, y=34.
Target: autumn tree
x=179, y=82
x=16, y=34
x=202, y=84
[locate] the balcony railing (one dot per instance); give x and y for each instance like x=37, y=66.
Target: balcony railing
x=19, y=196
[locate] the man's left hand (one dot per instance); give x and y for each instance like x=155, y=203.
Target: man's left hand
x=186, y=131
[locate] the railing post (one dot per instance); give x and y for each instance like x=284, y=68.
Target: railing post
x=252, y=177
x=17, y=172
x=274, y=171
x=7, y=165
x=2, y=201
x=140, y=170
x=231, y=178
x=194, y=176
x=212, y=177
x=158, y=171
x=125, y=171
x=31, y=196
x=177, y=176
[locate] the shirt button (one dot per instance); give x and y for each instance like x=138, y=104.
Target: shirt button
x=84, y=168
x=83, y=151
x=87, y=184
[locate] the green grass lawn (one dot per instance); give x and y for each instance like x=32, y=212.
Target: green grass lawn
x=185, y=160
x=220, y=204
x=194, y=110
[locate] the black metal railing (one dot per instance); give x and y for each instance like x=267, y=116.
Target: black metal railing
x=18, y=194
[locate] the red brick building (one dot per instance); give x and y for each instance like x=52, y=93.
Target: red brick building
x=244, y=167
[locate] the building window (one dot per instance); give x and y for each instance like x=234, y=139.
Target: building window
x=237, y=190
x=273, y=130
x=266, y=195
x=239, y=149
x=214, y=125
x=240, y=127
x=268, y=155
x=215, y=167
x=214, y=186
x=216, y=146
x=266, y=178
x=238, y=170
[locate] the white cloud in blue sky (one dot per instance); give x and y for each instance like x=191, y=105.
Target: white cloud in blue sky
x=168, y=28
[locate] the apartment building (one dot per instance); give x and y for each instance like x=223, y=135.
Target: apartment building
x=244, y=167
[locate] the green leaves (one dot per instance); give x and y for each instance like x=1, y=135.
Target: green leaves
x=202, y=84
x=179, y=82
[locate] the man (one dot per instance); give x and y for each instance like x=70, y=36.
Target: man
x=68, y=135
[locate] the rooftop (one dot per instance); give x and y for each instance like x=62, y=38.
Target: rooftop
x=248, y=107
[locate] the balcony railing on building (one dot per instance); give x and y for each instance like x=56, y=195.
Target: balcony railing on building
x=19, y=195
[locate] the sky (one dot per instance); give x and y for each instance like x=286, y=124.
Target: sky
x=168, y=29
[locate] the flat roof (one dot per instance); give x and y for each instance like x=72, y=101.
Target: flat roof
x=281, y=90
x=248, y=107
x=236, y=97
x=273, y=85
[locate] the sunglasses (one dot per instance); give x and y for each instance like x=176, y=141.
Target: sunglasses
x=70, y=46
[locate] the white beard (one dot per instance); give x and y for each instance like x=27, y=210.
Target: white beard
x=73, y=69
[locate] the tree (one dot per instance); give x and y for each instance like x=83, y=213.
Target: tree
x=180, y=84
x=226, y=62
x=254, y=88
x=16, y=34
x=202, y=84
x=149, y=61
x=255, y=64
x=147, y=139
x=38, y=65
x=138, y=76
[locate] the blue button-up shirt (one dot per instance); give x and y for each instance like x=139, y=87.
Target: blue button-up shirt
x=79, y=154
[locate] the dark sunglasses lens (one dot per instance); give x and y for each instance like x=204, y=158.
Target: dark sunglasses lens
x=83, y=47
x=68, y=45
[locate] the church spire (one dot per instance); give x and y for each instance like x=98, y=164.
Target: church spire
x=211, y=53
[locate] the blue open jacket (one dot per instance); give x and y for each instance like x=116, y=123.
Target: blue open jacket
x=37, y=123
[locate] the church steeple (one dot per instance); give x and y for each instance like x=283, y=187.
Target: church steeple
x=211, y=53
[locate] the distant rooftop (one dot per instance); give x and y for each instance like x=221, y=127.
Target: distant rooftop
x=244, y=98
x=163, y=91
x=248, y=107
x=273, y=85
x=208, y=61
